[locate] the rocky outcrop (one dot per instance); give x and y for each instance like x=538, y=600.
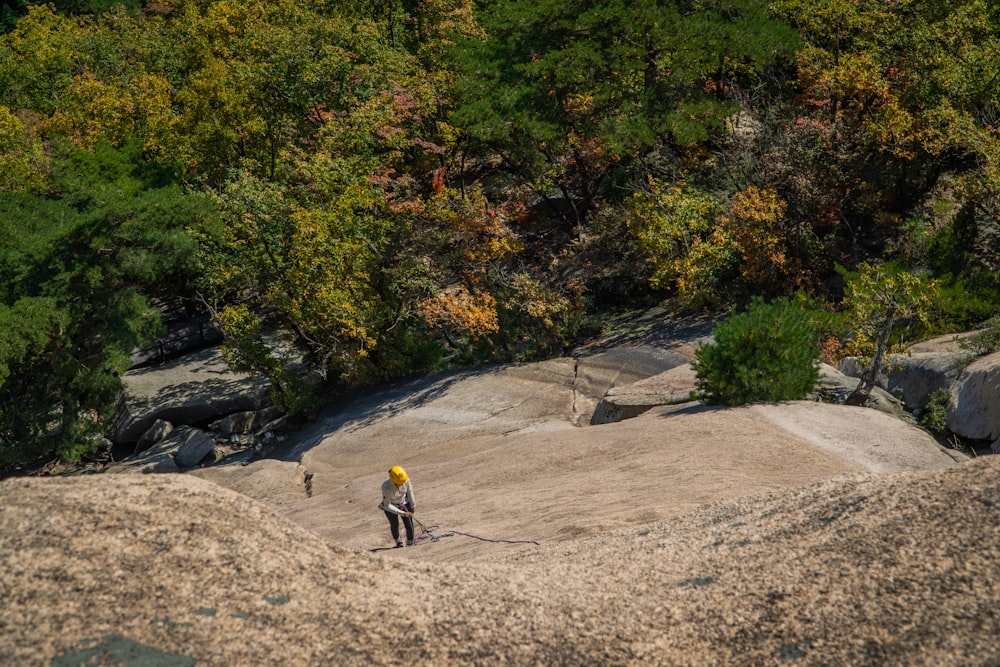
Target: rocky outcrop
x=836, y=386
x=974, y=406
x=181, y=447
x=864, y=570
x=914, y=377
x=192, y=445
x=191, y=390
x=678, y=385
x=247, y=422
x=625, y=402
x=157, y=458
x=159, y=430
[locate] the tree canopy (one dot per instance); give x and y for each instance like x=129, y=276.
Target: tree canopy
x=398, y=186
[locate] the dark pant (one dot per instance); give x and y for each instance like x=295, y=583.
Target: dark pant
x=394, y=525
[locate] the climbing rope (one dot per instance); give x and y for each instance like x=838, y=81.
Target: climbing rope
x=434, y=538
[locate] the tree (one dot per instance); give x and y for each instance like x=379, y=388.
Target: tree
x=79, y=269
x=905, y=93
x=770, y=352
x=22, y=159
x=676, y=227
x=569, y=94
x=878, y=300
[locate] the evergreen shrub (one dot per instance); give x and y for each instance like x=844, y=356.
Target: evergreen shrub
x=768, y=353
x=935, y=417
x=986, y=340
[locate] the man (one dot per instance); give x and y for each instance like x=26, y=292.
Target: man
x=398, y=501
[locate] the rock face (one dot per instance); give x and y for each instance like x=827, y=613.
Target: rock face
x=625, y=402
x=974, y=407
x=159, y=430
x=192, y=445
x=601, y=372
x=859, y=570
x=158, y=458
x=196, y=388
x=181, y=447
x=837, y=386
x=916, y=376
x=973, y=384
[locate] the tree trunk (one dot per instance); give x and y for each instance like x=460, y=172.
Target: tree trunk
x=864, y=389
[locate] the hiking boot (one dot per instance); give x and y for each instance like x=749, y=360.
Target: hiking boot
x=410, y=543
x=399, y=544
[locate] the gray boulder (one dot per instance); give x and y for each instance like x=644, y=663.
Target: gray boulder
x=196, y=388
x=914, y=377
x=155, y=433
x=184, y=447
x=835, y=385
x=242, y=423
x=158, y=458
x=974, y=406
x=597, y=373
x=160, y=464
x=192, y=445
x=667, y=388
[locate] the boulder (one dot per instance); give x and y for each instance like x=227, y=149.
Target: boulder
x=192, y=445
x=974, y=406
x=667, y=388
x=914, y=377
x=598, y=373
x=190, y=390
x=853, y=368
x=155, y=433
x=158, y=458
x=835, y=386
x=242, y=423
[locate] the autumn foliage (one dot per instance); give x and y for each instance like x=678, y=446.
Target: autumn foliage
x=394, y=187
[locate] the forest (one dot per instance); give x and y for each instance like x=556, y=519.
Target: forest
x=401, y=186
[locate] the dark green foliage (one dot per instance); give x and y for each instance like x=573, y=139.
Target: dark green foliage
x=768, y=353
x=77, y=270
x=935, y=417
x=571, y=93
x=986, y=340
x=950, y=249
x=966, y=301
x=12, y=10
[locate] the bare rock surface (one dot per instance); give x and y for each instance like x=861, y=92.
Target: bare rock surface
x=498, y=453
x=625, y=402
x=190, y=389
x=974, y=406
x=799, y=533
x=860, y=569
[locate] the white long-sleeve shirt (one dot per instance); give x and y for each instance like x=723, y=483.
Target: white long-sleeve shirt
x=393, y=495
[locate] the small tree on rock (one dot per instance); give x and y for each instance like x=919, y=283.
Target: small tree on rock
x=879, y=299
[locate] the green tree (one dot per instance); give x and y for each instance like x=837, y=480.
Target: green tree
x=770, y=352
x=78, y=270
x=568, y=94
x=880, y=299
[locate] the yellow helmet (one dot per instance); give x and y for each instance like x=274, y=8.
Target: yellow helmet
x=398, y=475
